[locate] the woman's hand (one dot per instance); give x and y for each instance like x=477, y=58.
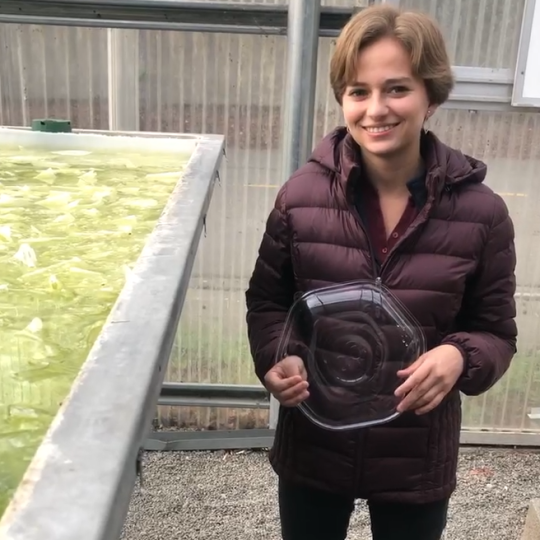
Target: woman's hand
x=429, y=379
x=287, y=381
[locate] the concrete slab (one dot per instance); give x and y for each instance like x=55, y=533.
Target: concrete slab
x=531, y=530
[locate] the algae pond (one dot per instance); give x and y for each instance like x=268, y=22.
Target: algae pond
x=72, y=225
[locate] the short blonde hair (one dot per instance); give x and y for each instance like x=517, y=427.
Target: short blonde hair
x=417, y=32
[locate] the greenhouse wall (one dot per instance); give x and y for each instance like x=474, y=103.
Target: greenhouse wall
x=234, y=84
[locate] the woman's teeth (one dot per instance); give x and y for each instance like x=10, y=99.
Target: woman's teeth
x=380, y=129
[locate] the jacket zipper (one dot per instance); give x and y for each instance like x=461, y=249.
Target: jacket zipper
x=362, y=434
x=379, y=268
x=377, y=273
x=420, y=220
x=375, y=266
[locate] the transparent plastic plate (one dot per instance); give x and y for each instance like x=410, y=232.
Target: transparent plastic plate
x=353, y=339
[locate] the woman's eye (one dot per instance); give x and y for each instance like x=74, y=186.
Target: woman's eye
x=357, y=92
x=398, y=90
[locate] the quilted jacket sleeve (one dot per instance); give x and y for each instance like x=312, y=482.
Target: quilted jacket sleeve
x=487, y=330
x=271, y=289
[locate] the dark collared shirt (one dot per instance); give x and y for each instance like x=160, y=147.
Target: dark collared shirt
x=369, y=208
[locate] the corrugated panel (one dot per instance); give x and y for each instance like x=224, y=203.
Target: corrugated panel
x=55, y=72
x=327, y=111
x=234, y=85
x=510, y=144
x=206, y=83
x=340, y=3
x=283, y=2
x=483, y=33
x=345, y=3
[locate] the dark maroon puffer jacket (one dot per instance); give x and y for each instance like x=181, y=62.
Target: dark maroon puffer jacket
x=454, y=271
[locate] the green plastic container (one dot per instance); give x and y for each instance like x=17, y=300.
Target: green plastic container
x=50, y=125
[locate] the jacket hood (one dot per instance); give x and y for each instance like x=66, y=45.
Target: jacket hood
x=339, y=153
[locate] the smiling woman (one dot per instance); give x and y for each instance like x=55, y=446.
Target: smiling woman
x=385, y=105
x=383, y=199
x=388, y=92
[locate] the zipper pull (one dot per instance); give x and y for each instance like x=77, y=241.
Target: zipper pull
x=378, y=282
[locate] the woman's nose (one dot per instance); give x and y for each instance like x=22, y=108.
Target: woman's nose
x=377, y=106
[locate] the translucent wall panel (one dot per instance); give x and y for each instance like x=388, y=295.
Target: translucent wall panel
x=206, y=83
x=233, y=85
x=211, y=418
x=53, y=72
x=481, y=33
x=510, y=144
x=347, y=3
x=272, y=2
x=327, y=111
x=338, y=3
x=230, y=84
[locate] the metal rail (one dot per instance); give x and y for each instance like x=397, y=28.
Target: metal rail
x=214, y=395
x=175, y=441
x=257, y=397
x=167, y=15
x=179, y=441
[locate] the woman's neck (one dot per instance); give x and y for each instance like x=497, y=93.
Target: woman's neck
x=392, y=175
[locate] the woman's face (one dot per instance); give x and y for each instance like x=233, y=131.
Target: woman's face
x=386, y=107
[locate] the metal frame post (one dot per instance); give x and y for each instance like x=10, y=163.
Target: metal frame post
x=299, y=98
x=123, y=79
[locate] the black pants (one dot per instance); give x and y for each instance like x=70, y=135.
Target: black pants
x=308, y=514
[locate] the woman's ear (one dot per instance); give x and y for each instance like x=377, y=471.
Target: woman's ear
x=430, y=112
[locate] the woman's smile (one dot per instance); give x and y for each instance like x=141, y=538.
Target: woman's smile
x=381, y=130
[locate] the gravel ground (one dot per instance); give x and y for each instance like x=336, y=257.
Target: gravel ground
x=232, y=495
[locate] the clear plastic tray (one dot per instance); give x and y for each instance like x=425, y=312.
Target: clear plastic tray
x=353, y=339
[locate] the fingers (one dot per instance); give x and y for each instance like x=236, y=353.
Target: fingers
x=431, y=404
x=414, y=380
x=408, y=371
x=294, y=365
x=276, y=383
x=293, y=396
x=420, y=398
x=289, y=391
x=423, y=390
x=303, y=372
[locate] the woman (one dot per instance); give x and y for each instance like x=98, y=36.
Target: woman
x=383, y=197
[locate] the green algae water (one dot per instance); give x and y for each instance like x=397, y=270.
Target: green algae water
x=72, y=225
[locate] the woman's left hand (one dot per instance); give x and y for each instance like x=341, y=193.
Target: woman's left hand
x=429, y=379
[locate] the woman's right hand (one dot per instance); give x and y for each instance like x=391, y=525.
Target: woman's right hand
x=287, y=381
